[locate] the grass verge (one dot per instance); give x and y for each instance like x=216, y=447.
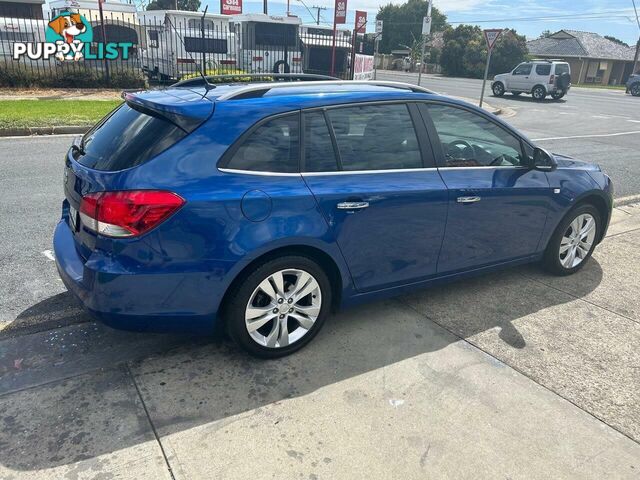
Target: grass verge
x=48, y=113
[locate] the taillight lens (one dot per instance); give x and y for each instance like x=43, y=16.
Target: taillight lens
x=127, y=213
x=552, y=79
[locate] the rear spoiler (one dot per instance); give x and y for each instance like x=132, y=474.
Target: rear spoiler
x=186, y=111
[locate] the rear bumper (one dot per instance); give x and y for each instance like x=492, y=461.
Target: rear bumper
x=159, y=302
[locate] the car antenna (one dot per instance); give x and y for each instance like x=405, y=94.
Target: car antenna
x=208, y=86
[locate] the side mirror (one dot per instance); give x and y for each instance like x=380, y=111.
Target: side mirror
x=543, y=160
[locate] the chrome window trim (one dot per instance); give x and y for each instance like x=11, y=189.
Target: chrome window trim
x=476, y=167
x=259, y=173
x=362, y=172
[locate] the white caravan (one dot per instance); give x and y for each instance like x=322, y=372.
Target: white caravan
x=267, y=43
x=317, y=45
x=177, y=45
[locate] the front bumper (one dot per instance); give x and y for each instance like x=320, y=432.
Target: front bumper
x=161, y=302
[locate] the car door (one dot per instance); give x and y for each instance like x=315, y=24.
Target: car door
x=497, y=204
x=371, y=170
x=519, y=78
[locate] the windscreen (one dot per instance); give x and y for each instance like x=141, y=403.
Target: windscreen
x=127, y=138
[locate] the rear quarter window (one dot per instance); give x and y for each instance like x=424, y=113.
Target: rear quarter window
x=271, y=147
x=127, y=138
x=562, y=68
x=543, y=69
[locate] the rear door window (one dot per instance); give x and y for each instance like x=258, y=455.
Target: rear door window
x=376, y=137
x=272, y=147
x=127, y=138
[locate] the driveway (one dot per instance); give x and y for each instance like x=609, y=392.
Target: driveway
x=517, y=374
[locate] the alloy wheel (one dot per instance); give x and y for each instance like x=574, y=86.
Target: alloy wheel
x=577, y=241
x=635, y=89
x=283, y=308
x=538, y=93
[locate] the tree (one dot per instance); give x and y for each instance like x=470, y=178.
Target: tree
x=465, y=52
x=190, y=5
x=546, y=34
x=403, y=24
x=616, y=40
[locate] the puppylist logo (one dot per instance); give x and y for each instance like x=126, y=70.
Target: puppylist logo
x=68, y=38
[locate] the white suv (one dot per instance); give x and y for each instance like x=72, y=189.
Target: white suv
x=537, y=77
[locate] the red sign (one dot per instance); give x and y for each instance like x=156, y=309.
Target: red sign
x=340, y=12
x=491, y=36
x=361, y=21
x=230, y=7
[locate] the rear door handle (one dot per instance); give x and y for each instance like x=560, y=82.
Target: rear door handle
x=352, y=205
x=468, y=199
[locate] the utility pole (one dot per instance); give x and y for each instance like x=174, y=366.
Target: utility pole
x=635, y=59
x=264, y=7
x=318, y=9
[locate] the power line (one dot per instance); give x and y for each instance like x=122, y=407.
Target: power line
x=318, y=9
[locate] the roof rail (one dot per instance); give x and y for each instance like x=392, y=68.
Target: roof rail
x=249, y=77
x=260, y=89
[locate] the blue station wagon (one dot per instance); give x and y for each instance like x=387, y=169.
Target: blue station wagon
x=264, y=207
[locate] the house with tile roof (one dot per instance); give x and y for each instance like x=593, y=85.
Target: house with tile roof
x=593, y=58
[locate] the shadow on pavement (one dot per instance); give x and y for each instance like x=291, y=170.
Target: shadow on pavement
x=195, y=384
x=54, y=312
x=528, y=98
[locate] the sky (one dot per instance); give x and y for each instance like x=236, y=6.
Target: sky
x=528, y=17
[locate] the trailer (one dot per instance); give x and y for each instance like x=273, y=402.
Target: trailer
x=267, y=43
x=179, y=43
x=317, y=50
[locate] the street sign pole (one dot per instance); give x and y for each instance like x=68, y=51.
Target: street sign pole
x=491, y=36
x=379, y=25
x=426, y=30
x=486, y=73
x=375, y=58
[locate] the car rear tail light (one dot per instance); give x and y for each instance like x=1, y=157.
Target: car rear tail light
x=228, y=62
x=552, y=79
x=257, y=59
x=127, y=213
x=297, y=59
x=185, y=60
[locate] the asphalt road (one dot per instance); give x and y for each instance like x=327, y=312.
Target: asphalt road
x=595, y=125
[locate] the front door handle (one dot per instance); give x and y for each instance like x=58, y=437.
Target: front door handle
x=468, y=199
x=352, y=205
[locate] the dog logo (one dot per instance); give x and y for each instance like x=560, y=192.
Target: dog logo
x=69, y=29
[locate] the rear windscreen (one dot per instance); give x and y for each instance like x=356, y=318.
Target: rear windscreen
x=127, y=138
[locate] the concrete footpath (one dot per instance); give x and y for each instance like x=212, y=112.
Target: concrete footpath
x=517, y=374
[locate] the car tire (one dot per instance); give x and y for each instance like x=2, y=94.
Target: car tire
x=262, y=336
x=538, y=93
x=283, y=64
x=498, y=89
x=635, y=89
x=557, y=95
x=564, y=254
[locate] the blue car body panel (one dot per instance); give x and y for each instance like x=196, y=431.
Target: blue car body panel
x=414, y=233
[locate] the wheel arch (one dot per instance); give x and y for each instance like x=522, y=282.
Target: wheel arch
x=324, y=259
x=601, y=204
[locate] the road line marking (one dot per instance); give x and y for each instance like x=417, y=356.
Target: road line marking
x=587, y=136
x=49, y=255
x=634, y=121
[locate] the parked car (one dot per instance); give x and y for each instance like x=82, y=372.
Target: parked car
x=267, y=206
x=538, y=78
x=633, y=85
